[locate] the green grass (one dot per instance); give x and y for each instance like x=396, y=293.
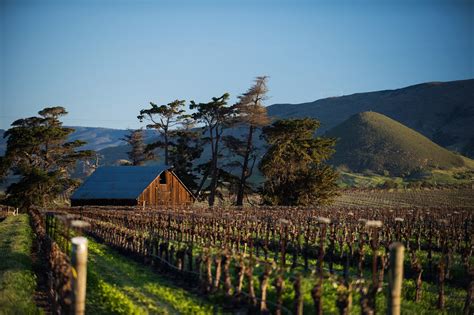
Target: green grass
x=348, y=179
x=451, y=177
x=17, y=280
x=118, y=285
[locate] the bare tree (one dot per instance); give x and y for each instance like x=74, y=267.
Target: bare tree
x=251, y=113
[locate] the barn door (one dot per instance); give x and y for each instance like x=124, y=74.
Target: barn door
x=164, y=190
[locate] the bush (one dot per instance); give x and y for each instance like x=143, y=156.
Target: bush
x=389, y=184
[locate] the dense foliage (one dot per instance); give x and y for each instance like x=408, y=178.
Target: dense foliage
x=38, y=151
x=138, y=154
x=187, y=149
x=294, y=164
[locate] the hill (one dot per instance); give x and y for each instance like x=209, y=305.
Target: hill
x=441, y=111
x=375, y=142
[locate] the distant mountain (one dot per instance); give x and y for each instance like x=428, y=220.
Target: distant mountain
x=101, y=138
x=441, y=111
x=375, y=142
x=97, y=138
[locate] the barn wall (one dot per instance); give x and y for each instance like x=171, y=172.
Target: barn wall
x=173, y=193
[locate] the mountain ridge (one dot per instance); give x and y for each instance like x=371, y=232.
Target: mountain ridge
x=441, y=111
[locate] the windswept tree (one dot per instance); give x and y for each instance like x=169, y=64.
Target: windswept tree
x=138, y=153
x=163, y=118
x=294, y=165
x=215, y=116
x=38, y=151
x=251, y=114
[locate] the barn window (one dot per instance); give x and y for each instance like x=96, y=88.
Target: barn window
x=163, y=178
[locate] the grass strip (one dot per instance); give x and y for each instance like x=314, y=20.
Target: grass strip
x=119, y=285
x=17, y=280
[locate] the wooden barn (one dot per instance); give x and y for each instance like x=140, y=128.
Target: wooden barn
x=132, y=186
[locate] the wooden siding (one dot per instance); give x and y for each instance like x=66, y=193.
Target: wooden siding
x=171, y=194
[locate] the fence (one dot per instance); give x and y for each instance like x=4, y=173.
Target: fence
x=6, y=211
x=66, y=278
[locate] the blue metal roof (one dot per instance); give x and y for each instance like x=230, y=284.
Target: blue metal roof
x=118, y=182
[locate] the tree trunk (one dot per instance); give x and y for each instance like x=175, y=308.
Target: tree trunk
x=470, y=294
x=243, y=176
x=166, y=148
x=214, y=171
x=203, y=181
x=279, y=286
x=317, y=294
x=299, y=299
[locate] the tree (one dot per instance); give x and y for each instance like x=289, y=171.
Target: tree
x=187, y=147
x=253, y=115
x=163, y=118
x=216, y=116
x=37, y=150
x=294, y=165
x=137, y=154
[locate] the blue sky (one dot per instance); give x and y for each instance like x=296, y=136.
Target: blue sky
x=105, y=60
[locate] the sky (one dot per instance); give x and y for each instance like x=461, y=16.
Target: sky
x=105, y=60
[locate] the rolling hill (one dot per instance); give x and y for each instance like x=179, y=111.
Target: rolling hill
x=375, y=142
x=441, y=111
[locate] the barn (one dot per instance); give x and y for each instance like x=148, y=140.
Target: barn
x=132, y=186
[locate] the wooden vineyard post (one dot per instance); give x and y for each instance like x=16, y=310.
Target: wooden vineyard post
x=79, y=280
x=395, y=278
x=298, y=295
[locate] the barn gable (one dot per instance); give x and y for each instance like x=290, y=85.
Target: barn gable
x=166, y=190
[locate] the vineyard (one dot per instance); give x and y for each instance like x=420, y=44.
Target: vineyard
x=297, y=260
x=404, y=198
